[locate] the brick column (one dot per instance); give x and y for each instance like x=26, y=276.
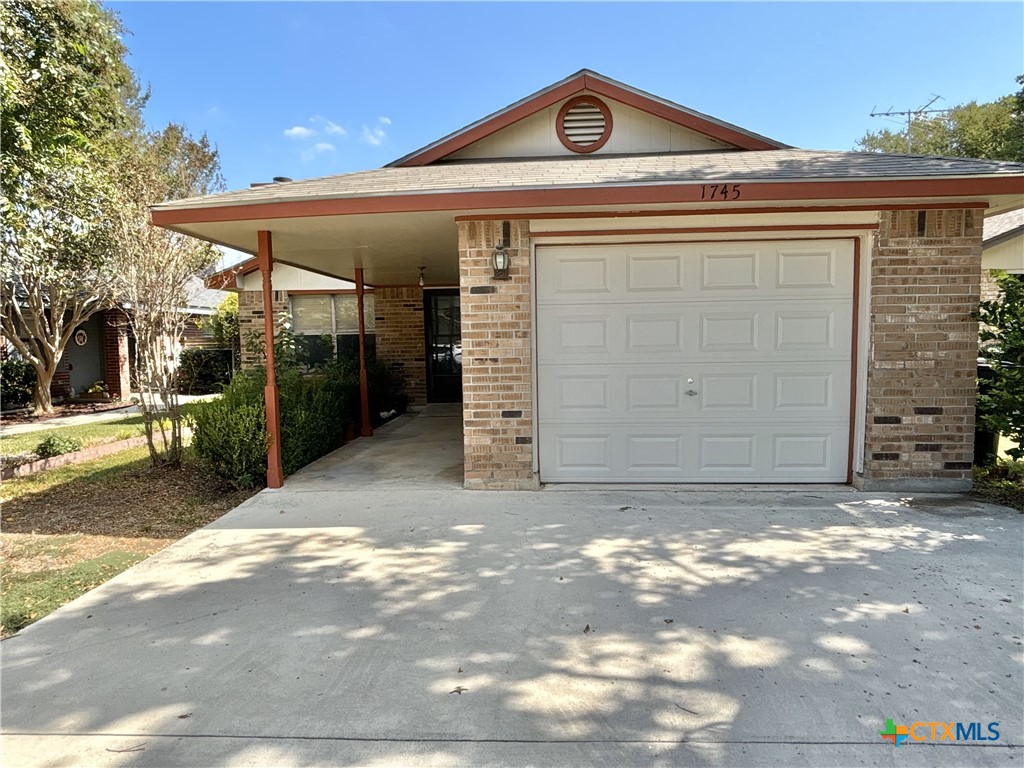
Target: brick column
x=921, y=378
x=398, y=313
x=116, y=367
x=496, y=359
x=250, y=320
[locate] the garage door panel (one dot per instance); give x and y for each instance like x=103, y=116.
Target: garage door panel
x=715, y=362
x=692, y=452
x=700, y=333
x=726, y=392
x=672, y=272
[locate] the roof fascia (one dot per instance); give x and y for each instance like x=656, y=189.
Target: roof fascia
x=1002, y=237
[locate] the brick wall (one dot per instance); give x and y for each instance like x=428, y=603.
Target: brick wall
x=925, y=282
x=398, y=312
x=250, y=320
x=116, y=367
x=496, y=359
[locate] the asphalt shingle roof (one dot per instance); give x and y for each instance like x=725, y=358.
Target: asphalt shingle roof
x=1003, y=223
x=731, y=166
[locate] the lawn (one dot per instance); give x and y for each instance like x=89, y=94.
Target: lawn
x=68, y=530
x=86, y=434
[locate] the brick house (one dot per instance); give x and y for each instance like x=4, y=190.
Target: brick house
x=635, y=292
x=1002, y=248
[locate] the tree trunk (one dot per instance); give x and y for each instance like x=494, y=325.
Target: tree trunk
x=42, y=401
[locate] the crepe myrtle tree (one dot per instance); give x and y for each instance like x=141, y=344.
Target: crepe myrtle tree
x=152, y=268
x=64, y=89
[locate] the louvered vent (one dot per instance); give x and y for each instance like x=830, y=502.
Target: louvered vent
x=584, y=124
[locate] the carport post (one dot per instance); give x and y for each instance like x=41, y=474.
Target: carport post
x=365, y=430
x=265, y=257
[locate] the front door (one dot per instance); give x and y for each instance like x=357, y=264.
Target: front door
x=444, y=346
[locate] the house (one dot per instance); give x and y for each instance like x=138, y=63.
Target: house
x=102, y=348
x=1002, y=248
x=642, y=293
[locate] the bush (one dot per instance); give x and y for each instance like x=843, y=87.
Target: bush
x=17, y=381
x=1002, y=335
x=230, y=435
x=203, y=371
x=57, y=445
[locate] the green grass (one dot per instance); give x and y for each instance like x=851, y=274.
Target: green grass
x=91, y=472
x=87, y=434
x=25, y=598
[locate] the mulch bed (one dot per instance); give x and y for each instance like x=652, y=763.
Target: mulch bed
x=64, y=409
x=140, y=502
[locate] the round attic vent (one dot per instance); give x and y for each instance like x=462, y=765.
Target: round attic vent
x=584, y=124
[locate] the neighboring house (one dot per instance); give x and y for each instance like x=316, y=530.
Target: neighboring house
x=1002, y=249
x=635, y=292
x=102, y=348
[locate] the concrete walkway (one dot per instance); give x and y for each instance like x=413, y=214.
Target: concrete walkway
x=376, y=614
x=60, y=422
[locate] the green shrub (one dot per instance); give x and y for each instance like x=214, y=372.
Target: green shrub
x=203, y=371
x=1001, y=402
x=57, y=445
x=17, y=380
x=230, y=434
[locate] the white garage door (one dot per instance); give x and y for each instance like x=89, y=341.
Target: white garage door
x=716, y=362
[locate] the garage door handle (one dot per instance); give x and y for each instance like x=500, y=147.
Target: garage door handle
x=691, y=392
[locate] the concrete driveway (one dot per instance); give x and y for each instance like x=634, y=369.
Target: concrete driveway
x=350, y=619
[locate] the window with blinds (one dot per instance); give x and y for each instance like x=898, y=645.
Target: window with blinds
x=326, y=326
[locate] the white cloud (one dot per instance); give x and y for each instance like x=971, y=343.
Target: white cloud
x=299, y=132
x=373, y=136
x=317, y=149
x=328, y=126
x=384, y=120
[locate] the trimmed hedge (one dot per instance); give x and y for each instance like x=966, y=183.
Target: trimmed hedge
x=229, y=433
x=203, y=371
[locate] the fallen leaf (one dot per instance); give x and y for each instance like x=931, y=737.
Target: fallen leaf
x=586, y=630
x=187, y=714
x=459, y=690
x=460, y=669
x=669, y=621
x=907, y=609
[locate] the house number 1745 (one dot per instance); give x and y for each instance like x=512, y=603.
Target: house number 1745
x=719, y=191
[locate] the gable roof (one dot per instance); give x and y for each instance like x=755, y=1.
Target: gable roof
x=593, y=82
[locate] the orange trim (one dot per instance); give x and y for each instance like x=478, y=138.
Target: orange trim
x=365, y=428
x=573, y=87
x=265, y=258
x=571, y=145
x=853, y=358
x=702, y=230
x=679, y=117
x=590, y=195
x=712, y=211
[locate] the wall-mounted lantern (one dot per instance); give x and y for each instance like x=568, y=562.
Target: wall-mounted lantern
x=501, y=259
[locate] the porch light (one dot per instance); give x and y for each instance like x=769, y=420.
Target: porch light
x=502, y=260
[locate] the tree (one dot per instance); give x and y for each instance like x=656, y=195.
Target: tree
x=65, y=89
x=993, y=131
x=1002, y=337
x=225, y=329
x=152, y=267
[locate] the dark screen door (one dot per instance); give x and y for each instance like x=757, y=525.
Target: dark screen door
x=444, y=346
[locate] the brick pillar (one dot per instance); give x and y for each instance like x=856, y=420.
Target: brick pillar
x=250, y=320
x=116, y=366
x=496, y=359
x=921, y=378
x=398, y=314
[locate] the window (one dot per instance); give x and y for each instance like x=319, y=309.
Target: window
x=326, y=327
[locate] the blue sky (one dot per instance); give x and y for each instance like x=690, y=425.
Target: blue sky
x=310, y=89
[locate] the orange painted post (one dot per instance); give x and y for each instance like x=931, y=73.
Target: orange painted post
x=265, y=255
x=365, y=429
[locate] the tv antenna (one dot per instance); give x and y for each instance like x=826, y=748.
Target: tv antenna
x=911, y=115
